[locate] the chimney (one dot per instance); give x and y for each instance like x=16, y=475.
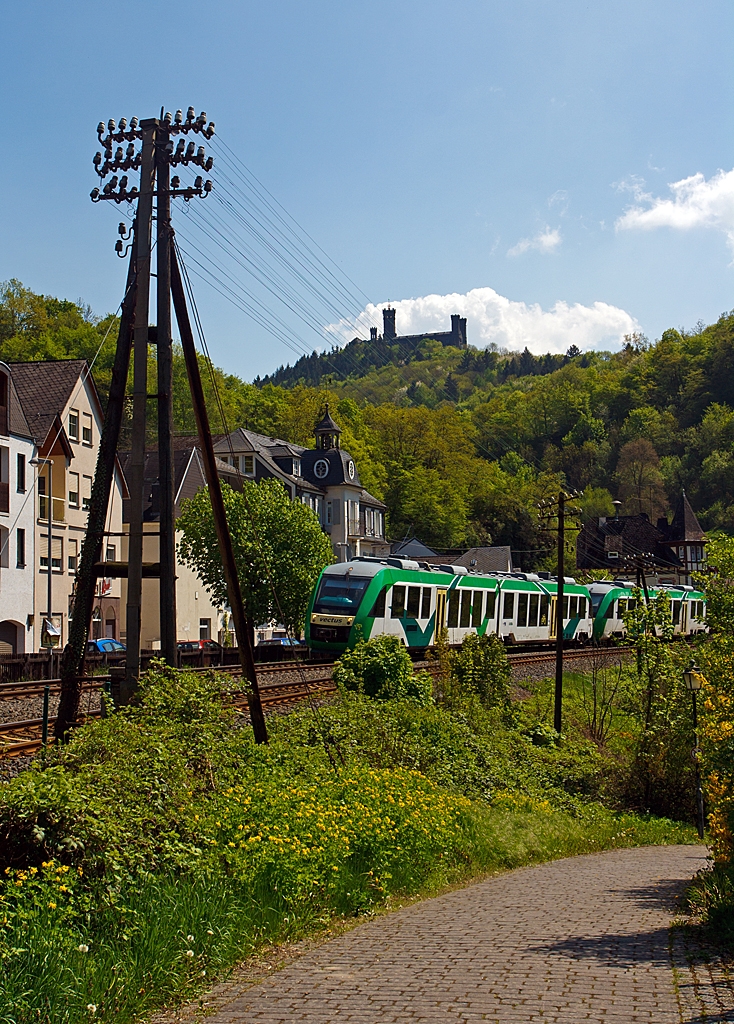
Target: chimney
x=458, y=330
x=373, y=334
x=388, y=323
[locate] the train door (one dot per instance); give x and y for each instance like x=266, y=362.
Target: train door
x=684, y=618
x=440, y=622
x=552, y=620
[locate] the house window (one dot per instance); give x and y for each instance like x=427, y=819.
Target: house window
x=4, y=546
x=73, y=490
x=86, y=428
x=110, y=553
x=612, y=554
x=205, y=629
x=56, y=553
x=353, y=511
x=72, y=554
x=73, y=425
x=3, y=404
x=296, y=467
x=20, y=473
x=327, y=514
x=20, y=548
x=4, y=479
x=86, y=492
x=247, y=464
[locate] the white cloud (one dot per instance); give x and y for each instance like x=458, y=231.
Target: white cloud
x=546, y=240
x=695, y=203
x=492, y=318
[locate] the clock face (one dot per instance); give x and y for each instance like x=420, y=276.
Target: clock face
x=321, y=468
x=350, y=470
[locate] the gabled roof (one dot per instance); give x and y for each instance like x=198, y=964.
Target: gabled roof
x=369, y=499
x=44, y=389
x=188, y=478
x=685, y=525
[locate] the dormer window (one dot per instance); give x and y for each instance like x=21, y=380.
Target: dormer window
x=296, y=467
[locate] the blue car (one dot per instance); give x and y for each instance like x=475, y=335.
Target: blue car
x=105, y=645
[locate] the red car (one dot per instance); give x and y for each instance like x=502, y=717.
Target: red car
x=198, y=645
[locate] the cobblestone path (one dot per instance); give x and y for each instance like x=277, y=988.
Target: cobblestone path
x=582, y=939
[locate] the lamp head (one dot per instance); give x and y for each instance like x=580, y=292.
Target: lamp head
x=693, y=677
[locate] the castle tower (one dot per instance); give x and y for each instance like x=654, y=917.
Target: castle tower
x=388, y=323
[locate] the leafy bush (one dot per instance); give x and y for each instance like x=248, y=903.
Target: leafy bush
x=480, y=667
x=381, y=668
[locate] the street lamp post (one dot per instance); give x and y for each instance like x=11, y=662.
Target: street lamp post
x=694, y=680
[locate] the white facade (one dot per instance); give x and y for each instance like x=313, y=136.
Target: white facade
x=17, y=524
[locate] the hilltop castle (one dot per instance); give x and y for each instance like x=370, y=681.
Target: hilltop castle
x=456, y=336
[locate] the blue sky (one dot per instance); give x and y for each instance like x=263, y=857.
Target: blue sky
x=511, y=161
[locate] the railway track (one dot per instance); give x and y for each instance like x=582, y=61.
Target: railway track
x=24, y=737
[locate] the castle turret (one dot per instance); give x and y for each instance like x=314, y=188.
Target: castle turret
x=327, y=432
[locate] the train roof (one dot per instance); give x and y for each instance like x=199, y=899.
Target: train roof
x=370, y=565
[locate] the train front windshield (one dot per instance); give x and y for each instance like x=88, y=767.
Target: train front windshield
x=340, y=594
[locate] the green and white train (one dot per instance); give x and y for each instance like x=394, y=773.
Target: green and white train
x=367, y=597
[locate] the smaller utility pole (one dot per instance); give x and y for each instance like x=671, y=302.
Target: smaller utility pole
x=557, y=509
x=561, y=571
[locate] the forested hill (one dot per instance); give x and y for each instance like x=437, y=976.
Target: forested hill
x=462, y=444
x=359, y=358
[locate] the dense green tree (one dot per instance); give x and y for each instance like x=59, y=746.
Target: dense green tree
x=279, y=549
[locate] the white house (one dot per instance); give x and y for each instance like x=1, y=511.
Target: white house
x=17, y=523
x=64, y=414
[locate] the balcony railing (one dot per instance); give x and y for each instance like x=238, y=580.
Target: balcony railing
x=58, y=508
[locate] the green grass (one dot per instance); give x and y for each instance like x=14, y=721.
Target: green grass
x=161, y=846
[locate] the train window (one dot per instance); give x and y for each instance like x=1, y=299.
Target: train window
x=543, y=610
x=533, y=613
x=465, y=609
x=340, y=593
x=676, y=612
x=476, y=608
x=508, y=607
x=378, y=608
x=631, y=605
x=582, y=607
x=414, y=602
x=398, y=603
x=426, y=606
x=565, y=607
x=621, y=608
x=522, y=610
x=453, y=609
x=609, y=613
x=491, y=595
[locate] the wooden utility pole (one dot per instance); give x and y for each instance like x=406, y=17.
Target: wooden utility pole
x=234, y=594
x=72, y=662
x=136, y=463
x=154, y=159
x=558, y=698
x=167, y=594
x=557, y=509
